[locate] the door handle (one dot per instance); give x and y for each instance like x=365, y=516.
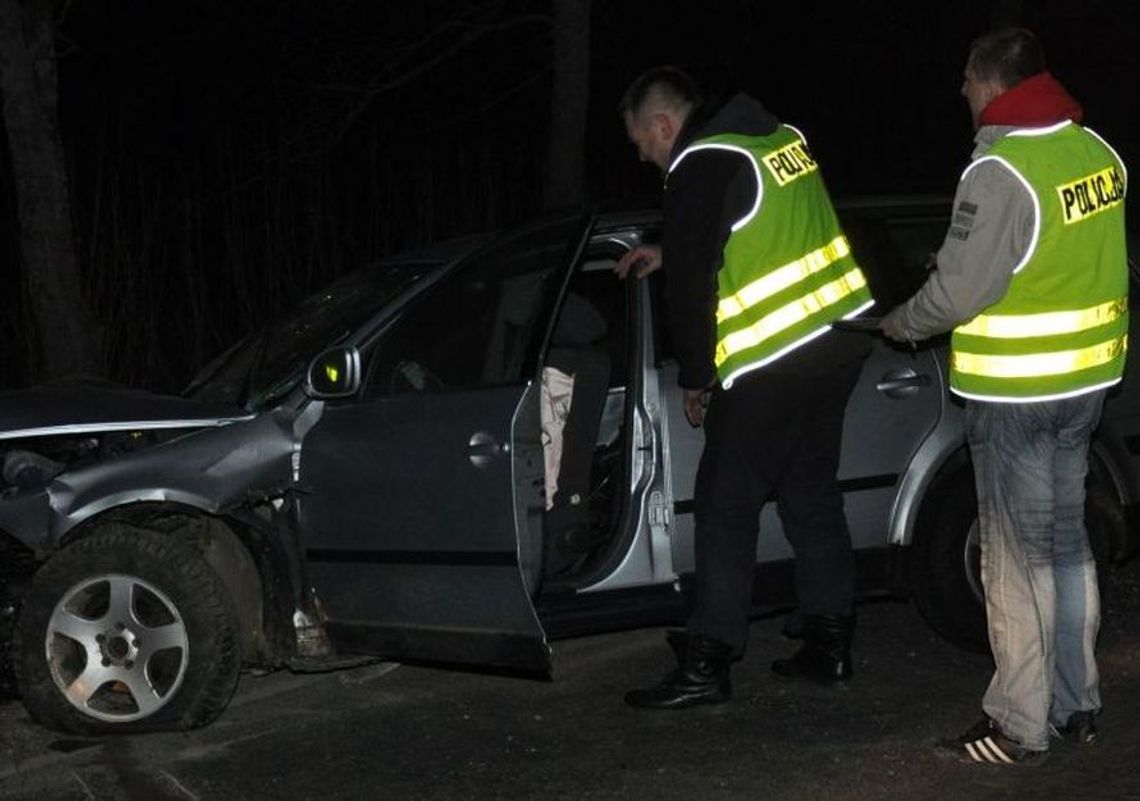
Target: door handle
x=902, y=383
x=482, y=448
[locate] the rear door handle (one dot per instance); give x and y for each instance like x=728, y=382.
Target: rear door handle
x=902, y=383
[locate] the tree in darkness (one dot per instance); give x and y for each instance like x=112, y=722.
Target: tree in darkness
x=66, y=339
x=564, y=182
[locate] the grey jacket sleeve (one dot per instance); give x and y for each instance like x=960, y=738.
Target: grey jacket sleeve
x=990, y=233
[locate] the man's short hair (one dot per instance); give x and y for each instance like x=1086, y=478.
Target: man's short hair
x=1007, y=56
x=670, y=87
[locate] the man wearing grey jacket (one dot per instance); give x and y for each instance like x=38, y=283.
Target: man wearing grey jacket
x=1033, y=280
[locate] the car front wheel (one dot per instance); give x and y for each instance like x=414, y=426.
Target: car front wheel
x=126, y=630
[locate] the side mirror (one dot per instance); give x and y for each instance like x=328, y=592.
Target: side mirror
x=334, y=373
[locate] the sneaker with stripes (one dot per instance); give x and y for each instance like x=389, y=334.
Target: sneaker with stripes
x=985, y=743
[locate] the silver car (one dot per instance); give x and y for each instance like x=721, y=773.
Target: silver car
x=367, y=477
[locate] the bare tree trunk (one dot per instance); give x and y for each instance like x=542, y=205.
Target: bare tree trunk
x=68, y=339
x=565, y=159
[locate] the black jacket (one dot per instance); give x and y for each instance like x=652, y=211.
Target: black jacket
x=707, y=192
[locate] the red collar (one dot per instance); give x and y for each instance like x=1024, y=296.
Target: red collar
x=1035, y=102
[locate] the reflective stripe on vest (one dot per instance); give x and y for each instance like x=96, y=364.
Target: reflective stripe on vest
x=1015, y=326
x=1039, y=364
x=789, y=315
x=782, y=277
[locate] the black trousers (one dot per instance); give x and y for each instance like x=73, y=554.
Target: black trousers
x=772, y=435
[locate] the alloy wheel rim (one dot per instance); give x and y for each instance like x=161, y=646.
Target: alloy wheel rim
x=117, y=648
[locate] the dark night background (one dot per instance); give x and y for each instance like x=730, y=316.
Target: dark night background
x=228, y=157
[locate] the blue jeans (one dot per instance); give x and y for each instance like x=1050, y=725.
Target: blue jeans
x=1042, y=603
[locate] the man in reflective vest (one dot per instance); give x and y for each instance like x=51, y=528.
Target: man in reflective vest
x=757, y=268
x=1033, y=280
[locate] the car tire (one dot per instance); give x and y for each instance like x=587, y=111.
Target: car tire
x=946, y=560
x=85, y=642
x=945, y=563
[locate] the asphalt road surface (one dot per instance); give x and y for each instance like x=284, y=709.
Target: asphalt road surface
x=387, y=731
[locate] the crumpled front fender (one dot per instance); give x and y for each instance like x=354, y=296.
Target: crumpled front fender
x=211, y=469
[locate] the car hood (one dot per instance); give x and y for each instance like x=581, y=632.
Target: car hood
x=82, y=408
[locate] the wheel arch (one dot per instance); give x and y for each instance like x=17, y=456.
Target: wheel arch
x=915, y=492
x=246, y=557
x=940, y=456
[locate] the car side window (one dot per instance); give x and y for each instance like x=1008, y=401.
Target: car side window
x=916, y=240
x=879, y=261
x=595, y=290
x=895, y=254
x=481, y=325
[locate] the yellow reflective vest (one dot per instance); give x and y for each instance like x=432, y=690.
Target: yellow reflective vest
x=1061, y=329
x=788, y=271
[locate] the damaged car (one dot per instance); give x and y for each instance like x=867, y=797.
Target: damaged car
x=395, y=470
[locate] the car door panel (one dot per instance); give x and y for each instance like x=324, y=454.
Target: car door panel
x=421, y=500
x=896, y=403
x=880, y=434
x=409, y=521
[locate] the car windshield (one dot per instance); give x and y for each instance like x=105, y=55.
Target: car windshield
x=270, y=362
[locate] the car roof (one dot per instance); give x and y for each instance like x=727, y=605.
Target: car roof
x=876, y=205
x=438, y=252
x=611, y=217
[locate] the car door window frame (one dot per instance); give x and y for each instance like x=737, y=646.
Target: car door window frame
x=559, y=243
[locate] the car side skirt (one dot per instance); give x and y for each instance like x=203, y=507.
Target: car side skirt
x=441, y=645
x=564, y=614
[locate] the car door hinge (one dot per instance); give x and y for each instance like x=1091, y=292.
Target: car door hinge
x=658, y=512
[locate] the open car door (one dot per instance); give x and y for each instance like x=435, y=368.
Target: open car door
x=421, y=498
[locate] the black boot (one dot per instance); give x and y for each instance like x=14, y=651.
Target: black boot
x=678, y=640
x=700, y=678
x=826, y=654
